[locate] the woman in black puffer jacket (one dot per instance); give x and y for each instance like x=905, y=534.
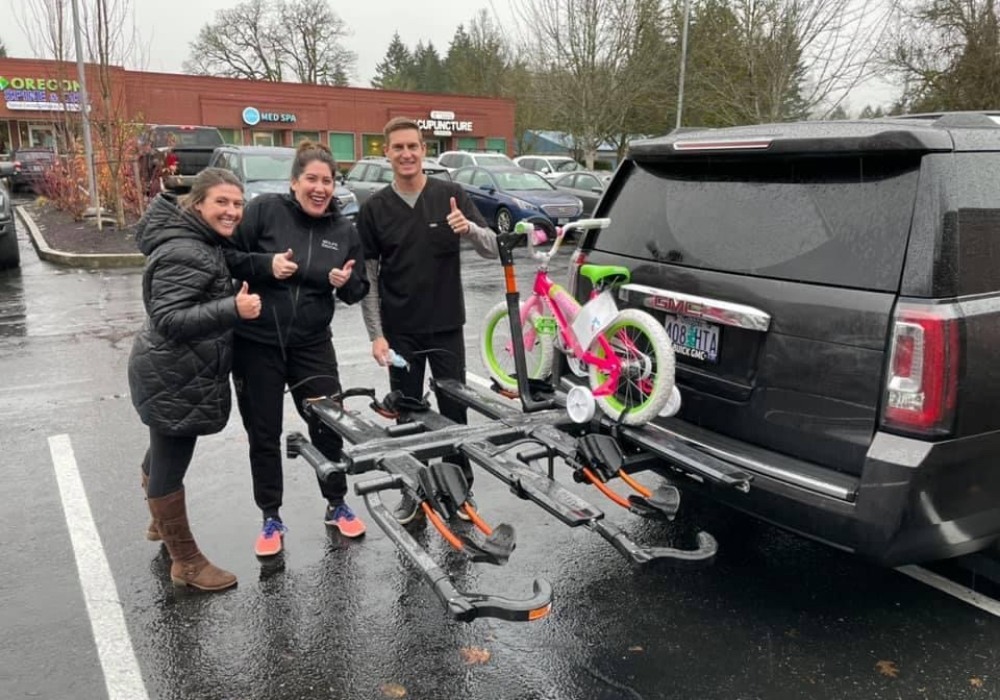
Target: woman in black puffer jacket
x=179, y=368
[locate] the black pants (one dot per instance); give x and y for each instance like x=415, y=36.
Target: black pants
x=445, y=352
x=166, y=462
x=260, y=373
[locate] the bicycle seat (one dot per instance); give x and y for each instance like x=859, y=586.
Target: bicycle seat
x=596, y=273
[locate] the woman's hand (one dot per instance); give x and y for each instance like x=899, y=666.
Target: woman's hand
x=247, y=305
x=340, y=275
x=282, y=265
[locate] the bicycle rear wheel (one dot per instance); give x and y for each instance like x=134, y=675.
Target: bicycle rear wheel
x=647, y=368
x=497, y=349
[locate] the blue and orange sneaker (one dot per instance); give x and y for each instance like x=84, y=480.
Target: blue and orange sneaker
x=343, y=518
x=270, y=540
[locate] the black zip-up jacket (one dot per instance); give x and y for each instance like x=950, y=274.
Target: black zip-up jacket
x=178, y=371
x=297, y=311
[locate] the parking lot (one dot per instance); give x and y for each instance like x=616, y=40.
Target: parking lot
x=88, y=611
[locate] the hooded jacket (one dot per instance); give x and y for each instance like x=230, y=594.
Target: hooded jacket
x=178, y=370
x=297, y=311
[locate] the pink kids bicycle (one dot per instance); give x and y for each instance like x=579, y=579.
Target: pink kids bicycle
x=626, y=354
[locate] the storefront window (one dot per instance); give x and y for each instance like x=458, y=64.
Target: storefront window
x=342, y=147
x=266, y=138
x=233, y=137
x=304, y=136
x=371, y=144
x=467, y=143
x=5, y=143
x=498, y=145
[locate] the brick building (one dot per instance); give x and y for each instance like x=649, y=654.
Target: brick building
x=40, y=106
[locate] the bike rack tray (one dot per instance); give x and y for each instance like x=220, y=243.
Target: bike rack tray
x=401, y=450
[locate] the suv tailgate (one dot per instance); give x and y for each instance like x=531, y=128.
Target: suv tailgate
x=776, y=275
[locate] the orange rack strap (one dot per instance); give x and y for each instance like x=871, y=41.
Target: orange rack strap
x=476, y=520
x=642, y=490
x=439, y=525
x=603, y=488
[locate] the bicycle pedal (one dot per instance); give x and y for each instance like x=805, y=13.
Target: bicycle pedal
x=663, y=503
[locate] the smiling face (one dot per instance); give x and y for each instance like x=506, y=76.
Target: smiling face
x=405, y=150
x=314, y=188
x=222, y=208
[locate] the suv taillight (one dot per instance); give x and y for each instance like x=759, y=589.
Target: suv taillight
x=922, y=380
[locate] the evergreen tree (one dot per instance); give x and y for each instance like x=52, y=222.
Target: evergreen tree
x=396, y=70
x=3, y=49
x=428, y=69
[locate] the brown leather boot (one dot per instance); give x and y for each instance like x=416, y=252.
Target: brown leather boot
x=152, y=534
x=189, y=567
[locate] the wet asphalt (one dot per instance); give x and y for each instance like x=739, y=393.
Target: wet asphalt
x=776, y=616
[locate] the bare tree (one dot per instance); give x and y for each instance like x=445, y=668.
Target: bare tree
x=590, y=51
x=786, y=59
x=48, y=26
x=947, y=53
x=272, y=40
x=113, y=41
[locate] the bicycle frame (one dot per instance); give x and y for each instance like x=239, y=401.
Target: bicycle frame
x=544, y=300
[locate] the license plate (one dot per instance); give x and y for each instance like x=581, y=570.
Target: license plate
x=561, y=221
x=694, y=339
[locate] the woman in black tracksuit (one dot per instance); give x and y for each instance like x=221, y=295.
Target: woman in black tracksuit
x=297, y=251
x=178, y=371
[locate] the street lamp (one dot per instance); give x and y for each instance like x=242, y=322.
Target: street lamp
x=684, y=49
x=88, y=144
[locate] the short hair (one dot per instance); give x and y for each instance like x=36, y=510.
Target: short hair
x=399, y=124
x=206, y=180
x=306, y=152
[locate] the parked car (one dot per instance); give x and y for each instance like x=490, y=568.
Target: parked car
x=587, y=185
x=176, y=154
x=10, y=254
x=833, y=295
x=548, y=165
x=369, y=176
x=269, y=169
x=453, y=160
x=504, y=196
x=30, y=167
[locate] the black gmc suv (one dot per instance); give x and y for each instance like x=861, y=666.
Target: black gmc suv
x=833, y=293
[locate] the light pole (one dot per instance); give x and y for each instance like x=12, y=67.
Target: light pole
x=684, y=51
x=88, y=144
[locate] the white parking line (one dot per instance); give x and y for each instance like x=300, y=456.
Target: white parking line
x=966, y=595
x=122, y=677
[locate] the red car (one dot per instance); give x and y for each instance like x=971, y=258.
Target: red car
x=30, y=166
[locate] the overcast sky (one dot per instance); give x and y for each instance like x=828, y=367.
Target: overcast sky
x=167, y=28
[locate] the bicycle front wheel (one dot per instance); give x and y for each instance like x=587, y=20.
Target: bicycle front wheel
x=496, y=347
x=643, y=348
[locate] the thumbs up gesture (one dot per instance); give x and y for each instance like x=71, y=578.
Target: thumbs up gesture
x=340, y=275
x=247, y=304
x=456, y=219
x=283, y=266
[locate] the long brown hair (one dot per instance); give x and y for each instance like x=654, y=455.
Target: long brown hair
x=308, y=151
x=206, y=180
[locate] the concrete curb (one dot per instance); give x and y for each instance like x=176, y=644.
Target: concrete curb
x=87, y=260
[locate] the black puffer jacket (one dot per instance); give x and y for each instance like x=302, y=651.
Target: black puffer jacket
x=178, y=371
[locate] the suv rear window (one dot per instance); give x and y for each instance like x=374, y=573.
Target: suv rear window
x=839, y=221
x=186, y=137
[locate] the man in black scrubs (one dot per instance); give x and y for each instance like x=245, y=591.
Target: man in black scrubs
x=412, y=233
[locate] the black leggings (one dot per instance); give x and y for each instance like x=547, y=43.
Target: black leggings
x=444, y=351
x=166, y=462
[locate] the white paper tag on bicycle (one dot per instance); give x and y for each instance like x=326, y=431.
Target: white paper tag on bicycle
x=596, y=315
